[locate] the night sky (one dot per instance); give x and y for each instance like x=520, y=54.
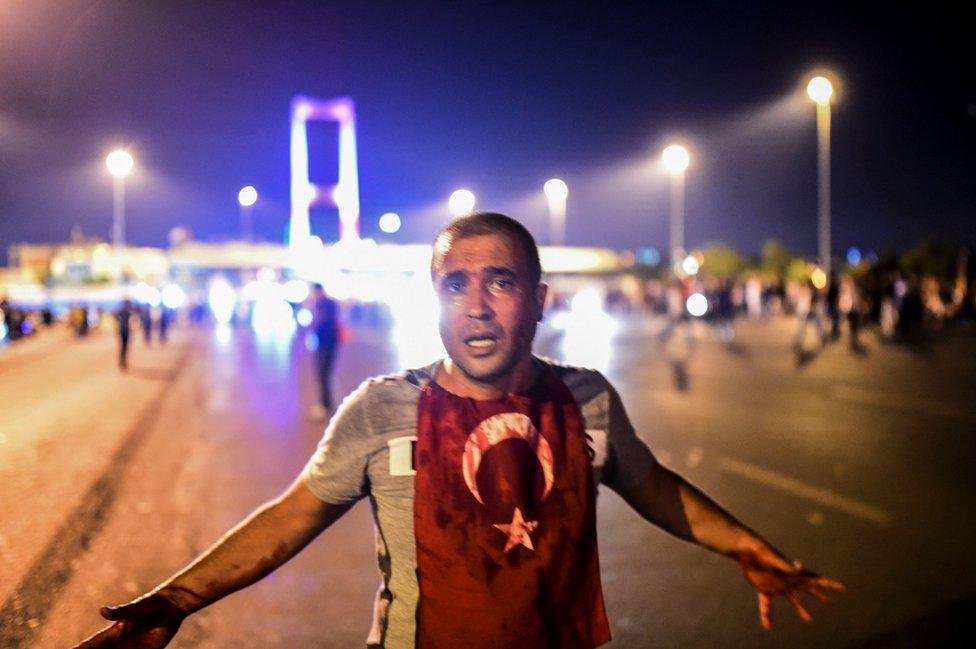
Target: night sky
x=496, y=98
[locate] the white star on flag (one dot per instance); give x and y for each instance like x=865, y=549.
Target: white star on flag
x=518, y=531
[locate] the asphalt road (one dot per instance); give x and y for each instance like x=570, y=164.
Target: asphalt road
x=860, y=465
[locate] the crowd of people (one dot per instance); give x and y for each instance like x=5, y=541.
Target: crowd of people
x=901, y=306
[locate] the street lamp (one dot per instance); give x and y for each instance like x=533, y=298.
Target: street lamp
x=390, y=223
x=461, y=202
x=246, y=198
x=821, y=91
x=675, y=160
x=556, y=193
x=119, y=164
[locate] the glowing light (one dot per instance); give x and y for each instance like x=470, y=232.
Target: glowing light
x=589, y=300
x=345, y=194
x=820, y=90
x=819, y=278
x=147, y=294
x=555, y=190
x=248, y=196
x=308, y=258
x=587, y=330
x=648, y=256
x=416, y=311
x=578, y=260
x=461, y=202
x=222, y=299
x=390, y=222
x=261, y=289
x=696, y=304
x=173, y=296
x=690, y=265
x=266, y=274
x=853, y=256
x=223, y=333
x=273, y=317
x=675, y=159
x=119, y=162
x=304, y=317
x=295, y=291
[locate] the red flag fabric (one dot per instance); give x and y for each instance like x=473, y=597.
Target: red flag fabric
x=505, y=522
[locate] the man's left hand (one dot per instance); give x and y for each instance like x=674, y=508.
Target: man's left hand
x=771, y=575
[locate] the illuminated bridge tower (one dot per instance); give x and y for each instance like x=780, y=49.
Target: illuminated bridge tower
x=344, y=195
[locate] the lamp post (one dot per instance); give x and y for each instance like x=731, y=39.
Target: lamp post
x=246, y=198
x=675, y=159
x=821, y=91
x=556, y=193
x=461, y=202
x=119, y=164
x=390, y=223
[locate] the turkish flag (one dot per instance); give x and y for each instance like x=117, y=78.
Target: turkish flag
x=505, y=522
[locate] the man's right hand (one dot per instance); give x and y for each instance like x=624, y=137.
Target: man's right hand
x=149, y=622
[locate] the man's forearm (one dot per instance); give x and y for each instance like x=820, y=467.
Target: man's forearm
x=672, y=503
x=266, y=539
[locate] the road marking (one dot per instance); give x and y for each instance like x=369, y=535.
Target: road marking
x=795, y=487
x=866, y=396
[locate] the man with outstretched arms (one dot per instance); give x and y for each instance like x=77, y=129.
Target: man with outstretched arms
x=481, y=470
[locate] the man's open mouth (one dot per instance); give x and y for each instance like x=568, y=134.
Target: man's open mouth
x=481, y=342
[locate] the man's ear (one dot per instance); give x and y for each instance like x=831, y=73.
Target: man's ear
x=541, y=291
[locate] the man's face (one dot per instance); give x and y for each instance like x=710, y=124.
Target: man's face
x=489, y=305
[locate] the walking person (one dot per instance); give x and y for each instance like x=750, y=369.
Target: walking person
x=809, y=309
x=124, y=317
x=326, y=325
x=165, y=315
x=833, y=305
x=145, y=318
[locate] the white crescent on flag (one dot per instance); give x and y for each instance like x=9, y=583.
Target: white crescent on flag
x=508, y=425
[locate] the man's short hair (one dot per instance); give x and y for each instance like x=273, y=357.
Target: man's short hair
x=484, y=223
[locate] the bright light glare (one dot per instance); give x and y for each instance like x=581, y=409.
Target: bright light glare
x=820, y=90
x=272, y=316
x=696, y=304
x=221, y=299
x=248, y=196
x=461, y=202
x=675, y=159
x=304, y=317
x=690, y=265
x=556, y=190
x=416, y=312
x=295, y=291
x=390, y=222
x=588, y=300
x=147, y=294
x=119, y=162
x=173, y=296
x=648, y=256
x=819, y=278
x=587, y=331
x=223, y=333
x=308, y=258
x=853, y=256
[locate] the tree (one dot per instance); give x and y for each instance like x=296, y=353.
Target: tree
x=776, y=258
x=719, y=260
x=928, y=258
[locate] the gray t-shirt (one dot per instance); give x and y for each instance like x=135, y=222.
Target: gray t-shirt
x=367, y=450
